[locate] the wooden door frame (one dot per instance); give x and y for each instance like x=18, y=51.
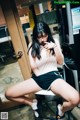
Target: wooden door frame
x=17, y=36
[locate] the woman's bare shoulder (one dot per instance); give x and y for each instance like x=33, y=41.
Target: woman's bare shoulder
x=29, y=46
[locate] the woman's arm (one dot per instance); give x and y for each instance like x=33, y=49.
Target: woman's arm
x=59, y=55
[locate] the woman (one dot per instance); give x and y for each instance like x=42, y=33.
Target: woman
x=44, y=55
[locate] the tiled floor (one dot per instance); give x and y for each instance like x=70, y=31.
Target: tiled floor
x=21, y=113
x=10, y=74
x=25, y=113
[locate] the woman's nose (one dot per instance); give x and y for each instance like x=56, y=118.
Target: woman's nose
x=42, y=39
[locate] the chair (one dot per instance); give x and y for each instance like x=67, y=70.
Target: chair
x=45, y=99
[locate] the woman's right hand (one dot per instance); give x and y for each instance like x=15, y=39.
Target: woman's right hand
x=50, y=45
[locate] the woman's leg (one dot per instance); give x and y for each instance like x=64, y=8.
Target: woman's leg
x=67, y=92
x=17, y=92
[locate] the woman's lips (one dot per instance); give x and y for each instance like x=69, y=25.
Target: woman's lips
x=43, y=43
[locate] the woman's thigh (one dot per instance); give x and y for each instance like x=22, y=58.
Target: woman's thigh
x=23, y=88
x=62, y=88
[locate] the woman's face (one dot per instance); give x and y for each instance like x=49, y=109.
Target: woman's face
x=42, y=38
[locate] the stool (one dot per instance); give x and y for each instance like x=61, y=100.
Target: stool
x=47, y=97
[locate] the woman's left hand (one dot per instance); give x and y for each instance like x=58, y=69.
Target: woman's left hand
x=49, y=45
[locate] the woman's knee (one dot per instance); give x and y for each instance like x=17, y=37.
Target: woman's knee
x=8, y=94
x=74, y=99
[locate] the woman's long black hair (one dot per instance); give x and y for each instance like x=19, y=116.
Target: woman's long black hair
x=39, y=28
